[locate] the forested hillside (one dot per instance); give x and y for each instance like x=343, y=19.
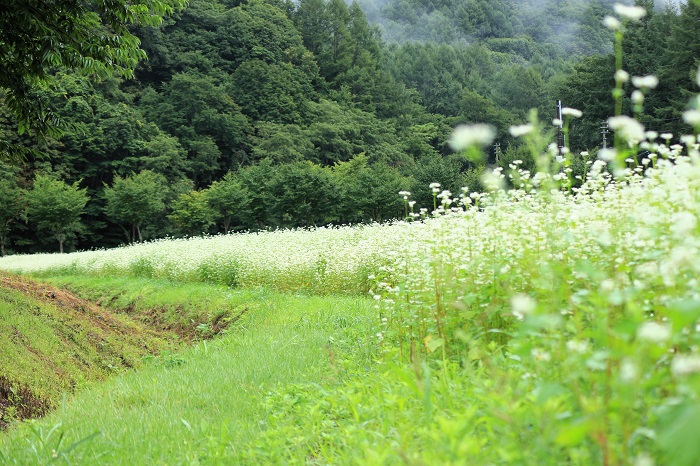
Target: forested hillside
x=264, y=114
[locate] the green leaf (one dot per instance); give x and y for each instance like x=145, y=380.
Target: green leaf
x=432, y=344
x=574, y=433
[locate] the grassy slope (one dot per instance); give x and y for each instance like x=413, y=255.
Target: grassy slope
x=52, y=343
x=192, y=310
x=206, y=401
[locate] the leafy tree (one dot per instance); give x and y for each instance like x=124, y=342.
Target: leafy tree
x=92, y=36
x=193, y=107
x=370, y=192
x=12, y=202
x=229, y=198
x=436, y=169
x=303, y=194
x=271, y=92
x=55, y=207
x=192, y=213
x=474, y=108
x=135, y=200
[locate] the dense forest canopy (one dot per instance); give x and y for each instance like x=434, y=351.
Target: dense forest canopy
x=270, y=113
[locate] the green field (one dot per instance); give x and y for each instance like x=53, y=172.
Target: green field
x=525, y=326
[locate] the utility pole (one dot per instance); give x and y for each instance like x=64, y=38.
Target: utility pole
x=497, y=151
x=560, y=134
x=604, y=131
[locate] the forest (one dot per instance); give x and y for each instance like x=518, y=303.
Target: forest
x=264, y=114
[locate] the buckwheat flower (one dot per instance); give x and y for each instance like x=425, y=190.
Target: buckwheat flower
x=411, y=204
x=684, y=364
x=633, y=13
x=444, y=195
x=667, y=136
x=683, y=224
x=572, y=112
x=651, y=135
x=629, y=372
x=520, y=130
x=627, y=127
x=607, y=285
x=643, y=459
x=466, y=136
x=692, y=117
x=688, y=139
x=557, y=122
x=540, y=355
x=612, y=23
x=607, y=155
x=637, y=97
x=522, y=305
x=404, y=193
x=434, y=185
x=577, y=346
x=622, y=76
x=584, y=153
x=654, y=332
x=645, y=82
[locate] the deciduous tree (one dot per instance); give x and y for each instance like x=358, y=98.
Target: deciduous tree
x=135, y=200
x=55, y=207
x=92, y=36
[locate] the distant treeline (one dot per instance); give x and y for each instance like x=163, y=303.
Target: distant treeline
x=264, y=114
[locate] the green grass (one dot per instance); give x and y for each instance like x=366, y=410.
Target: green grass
x=193, y=310
x=206, y=402
x=52, y=348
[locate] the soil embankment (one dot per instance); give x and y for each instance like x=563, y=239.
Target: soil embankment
x=52, y=342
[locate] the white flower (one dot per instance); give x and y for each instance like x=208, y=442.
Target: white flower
x=404, y=194
x=645, y=82
x=667, y=136
x=445, y=195
x=643, y=459
x=622, y=76
x=692, y=117
x=607, y=155
x=688, y=139
x=612, y=23
x=584, y=153
x=520, y=130
x=683, y=224
x=465, y=136
x=540, y=355
x=577, y=346
x=651, y=135
x=628, y=128
x=522, y=305
x=629, y=372
x=557, y=122
x=654, y=332
x=637, y=97
x=572, y=112
x=634, y=13
x=434, y=185
x=684, y=364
